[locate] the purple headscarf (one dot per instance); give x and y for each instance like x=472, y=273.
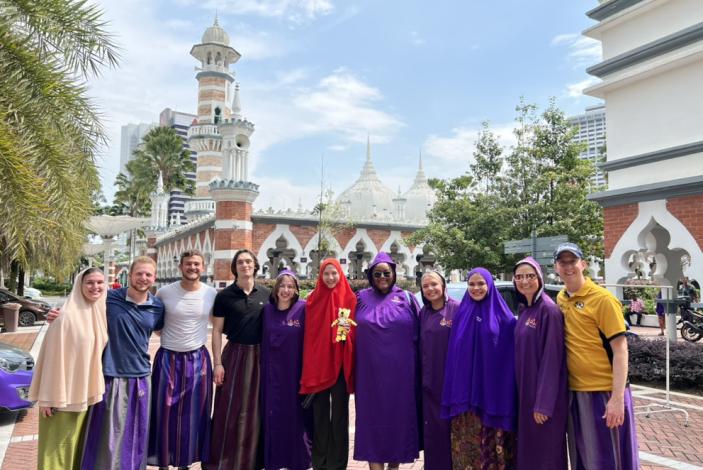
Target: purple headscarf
x=381, y=257
x=285, y=272
x=480, y=368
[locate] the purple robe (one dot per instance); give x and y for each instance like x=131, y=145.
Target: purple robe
x=386, y=374
x=286, y=423
x=480, y=367
x=540, y=370
x=435, y=326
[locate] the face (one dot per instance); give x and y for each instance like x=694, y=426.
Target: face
x=526, y=281
x=478, y=289
x=432, y=288
x=245, y=265
x=570, y=268
x=330, y=276
x=191, y=268
x=286, y=289
x=382, y=276
x=93, y=286
x=142, y=277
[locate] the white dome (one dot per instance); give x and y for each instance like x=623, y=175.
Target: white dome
x=419, y=198
x=368, y=197
x=215, y=34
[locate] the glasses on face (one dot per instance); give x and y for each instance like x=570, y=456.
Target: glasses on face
x=526, y=277
x=380, y=274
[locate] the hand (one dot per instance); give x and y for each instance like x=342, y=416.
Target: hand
x=46, y=411
x=614, y=412
x=540, y=418
x=53, y=314
x=219, y=374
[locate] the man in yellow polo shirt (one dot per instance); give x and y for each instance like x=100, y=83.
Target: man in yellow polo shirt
x=602, y=432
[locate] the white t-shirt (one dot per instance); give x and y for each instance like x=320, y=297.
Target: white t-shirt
x=187, y=316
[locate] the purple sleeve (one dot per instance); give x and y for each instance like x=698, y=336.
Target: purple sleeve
x=552, y=360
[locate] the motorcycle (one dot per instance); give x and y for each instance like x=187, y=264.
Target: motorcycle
x=691, y=321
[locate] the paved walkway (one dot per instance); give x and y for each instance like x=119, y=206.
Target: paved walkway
x=664, y=440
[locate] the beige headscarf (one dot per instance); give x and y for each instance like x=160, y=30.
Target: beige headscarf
x=69, y=372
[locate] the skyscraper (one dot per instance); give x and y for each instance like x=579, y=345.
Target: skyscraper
x=180, y=122
x=591, y=125
x=131, y=137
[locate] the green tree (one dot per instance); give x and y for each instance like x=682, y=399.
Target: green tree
x=162, y=151
x=539, y=184
x=49, y=129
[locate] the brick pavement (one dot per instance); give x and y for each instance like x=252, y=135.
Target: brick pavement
x=660, y=434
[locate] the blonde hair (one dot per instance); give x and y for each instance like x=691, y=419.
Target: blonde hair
x=142, y=260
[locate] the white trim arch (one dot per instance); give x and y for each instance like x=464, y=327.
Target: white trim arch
x=270, y=242
x=312, y=245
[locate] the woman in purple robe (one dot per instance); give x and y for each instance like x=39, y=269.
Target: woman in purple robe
x=479, y=392
x=540, y=370
x=286, y=424
x=435, y=324
x=387, y=381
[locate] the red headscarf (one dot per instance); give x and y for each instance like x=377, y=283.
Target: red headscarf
x=323, y=357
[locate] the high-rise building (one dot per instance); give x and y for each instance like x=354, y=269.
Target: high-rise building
x=131, y=137
x=591, y=125
x=179, y=122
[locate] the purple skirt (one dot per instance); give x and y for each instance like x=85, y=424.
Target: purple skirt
x=117, y=428
x=236, y=419
x=591, y=443
x=181, y=384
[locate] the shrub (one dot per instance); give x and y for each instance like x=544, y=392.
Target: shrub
x=648, y=363
x=51, y=287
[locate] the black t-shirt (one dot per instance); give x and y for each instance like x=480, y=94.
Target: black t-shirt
x=242, y=313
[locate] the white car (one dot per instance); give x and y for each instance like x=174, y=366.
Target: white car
x=32, y=293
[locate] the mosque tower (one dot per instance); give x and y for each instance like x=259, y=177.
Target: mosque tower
x=215, y=92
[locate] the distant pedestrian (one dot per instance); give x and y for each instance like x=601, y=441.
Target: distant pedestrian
x=328, y=365
x=436, y=320
x=386, y=375
x=236, y=423
x=540, y=367
x=116, y=285
x=287, y=426
x=601, y=429
x=179, y=432
x=117, y=428
x=479, y=385
x=68, y=376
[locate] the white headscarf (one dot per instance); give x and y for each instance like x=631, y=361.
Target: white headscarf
x=69, y=373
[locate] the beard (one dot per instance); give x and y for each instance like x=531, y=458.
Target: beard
x=140, y=288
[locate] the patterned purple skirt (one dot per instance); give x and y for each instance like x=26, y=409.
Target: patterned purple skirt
x=236, y=419
x=475, y=446
x=181, y=401
x=117, y=428
x=591, y=443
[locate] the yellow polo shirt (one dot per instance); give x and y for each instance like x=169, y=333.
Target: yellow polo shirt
x=592, y=317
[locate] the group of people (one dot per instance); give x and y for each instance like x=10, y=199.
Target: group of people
x=466, y=382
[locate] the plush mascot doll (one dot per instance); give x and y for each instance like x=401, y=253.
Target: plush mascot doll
x=343, y=324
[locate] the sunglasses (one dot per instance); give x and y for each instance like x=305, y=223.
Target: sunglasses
x=380, y=274
x=527, y=277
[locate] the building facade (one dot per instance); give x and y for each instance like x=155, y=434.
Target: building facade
x=591, y=132
x=221, y=218
x=130, y=137
x=650, y=75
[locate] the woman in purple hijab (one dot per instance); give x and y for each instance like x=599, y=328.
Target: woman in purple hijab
x=436, y=319
x=286, y=425
x=540, y=368
x=386, y=370
x=479, y=392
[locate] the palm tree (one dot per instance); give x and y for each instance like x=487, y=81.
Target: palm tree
x=162, y=151
x=49, y=129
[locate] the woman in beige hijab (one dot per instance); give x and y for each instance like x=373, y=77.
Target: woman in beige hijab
x=68, y=376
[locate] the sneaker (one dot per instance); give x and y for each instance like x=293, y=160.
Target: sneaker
x=661, y=334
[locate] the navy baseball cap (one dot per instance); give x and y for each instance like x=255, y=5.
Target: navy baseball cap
x=572, y=248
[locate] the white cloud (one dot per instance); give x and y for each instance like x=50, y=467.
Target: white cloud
x=583, y=51
x=416, y=39
x=295, y=11
x=575, y=90
x=458, y=147
x=281, y=193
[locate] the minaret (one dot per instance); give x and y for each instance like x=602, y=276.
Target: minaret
x=399, y=202
x=159, y=206
x=214, y=91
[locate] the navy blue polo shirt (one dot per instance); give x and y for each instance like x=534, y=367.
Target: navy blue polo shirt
x=129, y=327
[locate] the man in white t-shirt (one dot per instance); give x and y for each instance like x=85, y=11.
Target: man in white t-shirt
x=181, y=381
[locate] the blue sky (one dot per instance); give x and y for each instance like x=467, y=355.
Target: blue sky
x=318, y=76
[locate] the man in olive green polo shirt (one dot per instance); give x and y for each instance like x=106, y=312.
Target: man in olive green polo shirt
x=602, y=432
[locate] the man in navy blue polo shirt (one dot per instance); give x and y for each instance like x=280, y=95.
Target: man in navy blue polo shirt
x=117, y=428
